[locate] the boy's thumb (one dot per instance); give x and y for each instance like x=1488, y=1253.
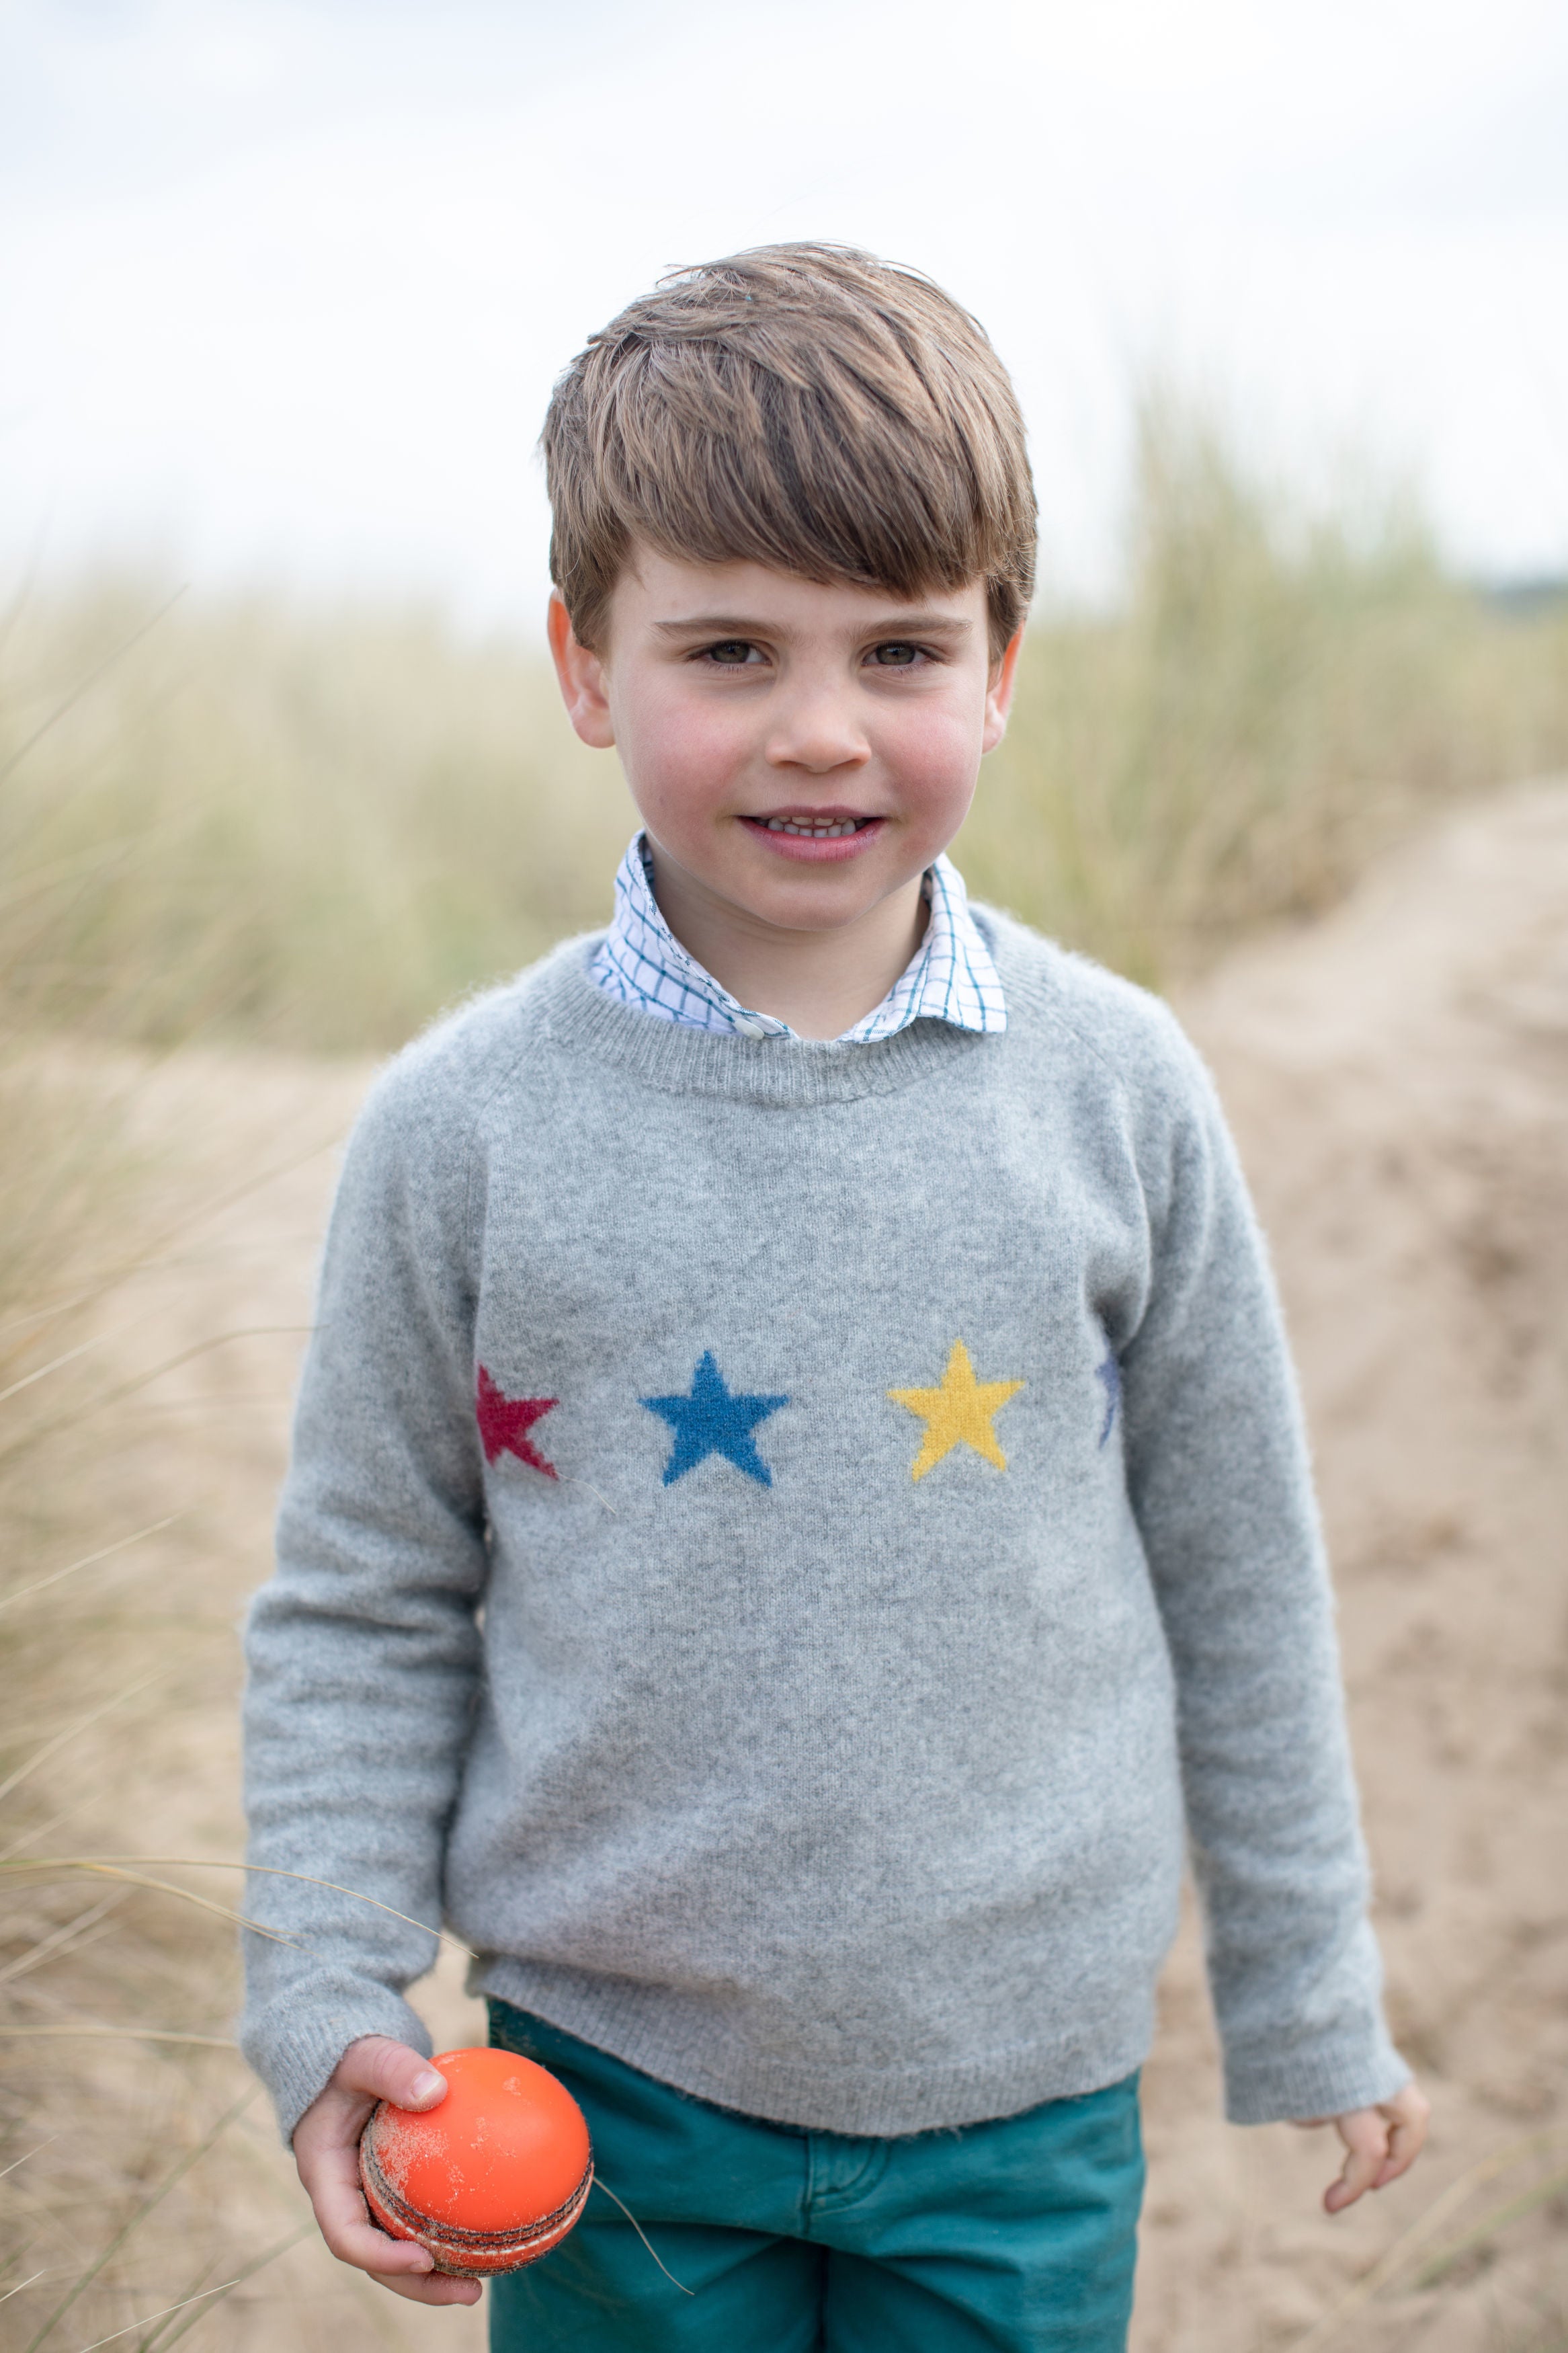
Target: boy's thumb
x=390, y=2070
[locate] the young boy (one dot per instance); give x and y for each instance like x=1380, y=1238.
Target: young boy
x=798, y=1492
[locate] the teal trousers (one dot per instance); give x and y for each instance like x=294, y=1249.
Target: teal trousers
x=1019, y=2234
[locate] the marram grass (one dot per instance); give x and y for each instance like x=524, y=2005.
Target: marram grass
x=1280, y=691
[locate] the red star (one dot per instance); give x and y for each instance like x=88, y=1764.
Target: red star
x=504, y=1423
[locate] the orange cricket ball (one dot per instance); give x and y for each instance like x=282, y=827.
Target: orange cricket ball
x=489, y=2180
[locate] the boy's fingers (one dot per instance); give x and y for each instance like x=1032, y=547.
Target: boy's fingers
x=436, y=2287
x=1409, y=2114
x=1380, y=2144
x=386, y=2070
x=395, y=2263
x=399, y=2264
x=1365, y=2134
x=354, y=2241
x=344, y=2221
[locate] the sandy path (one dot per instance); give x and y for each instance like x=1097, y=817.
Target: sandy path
x=1397, y=1077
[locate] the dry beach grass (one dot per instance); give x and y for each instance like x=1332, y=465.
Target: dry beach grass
x=260, y=846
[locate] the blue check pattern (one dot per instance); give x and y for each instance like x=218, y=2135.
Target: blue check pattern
x=951, y=976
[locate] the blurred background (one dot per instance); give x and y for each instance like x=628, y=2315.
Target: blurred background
x=283, y=289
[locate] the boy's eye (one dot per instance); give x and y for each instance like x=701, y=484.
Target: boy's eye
x=895, y=655
x=732, y=654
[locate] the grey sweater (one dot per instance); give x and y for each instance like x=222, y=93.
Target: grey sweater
x=778, y=1536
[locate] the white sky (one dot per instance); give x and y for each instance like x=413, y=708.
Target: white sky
x=284, y=283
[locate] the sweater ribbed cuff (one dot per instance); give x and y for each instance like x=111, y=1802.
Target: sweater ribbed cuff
x=1283, y=2088
x=294, y=2051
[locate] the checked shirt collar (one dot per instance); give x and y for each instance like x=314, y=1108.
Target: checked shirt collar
x=951, y=976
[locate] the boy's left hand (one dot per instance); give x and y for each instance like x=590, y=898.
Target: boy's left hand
x=1380, y=2144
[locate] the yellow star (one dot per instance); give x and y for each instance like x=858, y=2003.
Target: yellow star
x=960, y=1410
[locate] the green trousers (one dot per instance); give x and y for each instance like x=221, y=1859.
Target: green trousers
x=1019, y=2234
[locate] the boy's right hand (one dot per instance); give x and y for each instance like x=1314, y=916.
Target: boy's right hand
x=326, y=2150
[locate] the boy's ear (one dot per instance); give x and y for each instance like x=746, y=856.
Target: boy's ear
x=999, y=693
x=582, y=675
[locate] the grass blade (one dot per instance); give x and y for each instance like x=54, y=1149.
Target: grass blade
x=74, y=1731
x=37, y=2150
x=41, y=1584
x=1436, y=2266
x=59, y=1941
x=109, y=1864
x=116, y=1396
x=167, y=1887
x=1405, y=2247
x=201, y=2296
x=85, y=2279
x=128, y=2033
x=90, y=680
x=238, y=2280
x=53, y=1365
x=190, y=2297
x=600, y=2183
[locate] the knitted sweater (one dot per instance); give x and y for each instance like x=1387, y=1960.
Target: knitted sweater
x=778, y=1536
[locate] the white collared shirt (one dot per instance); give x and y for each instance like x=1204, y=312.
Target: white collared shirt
x=950, y=977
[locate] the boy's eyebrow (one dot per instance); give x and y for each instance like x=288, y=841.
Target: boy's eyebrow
x=900, y=625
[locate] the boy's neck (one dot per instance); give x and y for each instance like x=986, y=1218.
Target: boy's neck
x=821, y=983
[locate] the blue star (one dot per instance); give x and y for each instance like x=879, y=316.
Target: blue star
x=1111, y=1374
x=711, y=1421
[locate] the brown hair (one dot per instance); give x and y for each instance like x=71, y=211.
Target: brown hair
x=802, y=406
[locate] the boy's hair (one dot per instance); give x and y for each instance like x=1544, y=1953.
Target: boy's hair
x=802, y=406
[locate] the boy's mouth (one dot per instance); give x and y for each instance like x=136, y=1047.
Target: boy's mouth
x=816, y=834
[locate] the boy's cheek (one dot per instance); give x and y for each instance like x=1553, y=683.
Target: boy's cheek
x=682, y=766
x=934, y=769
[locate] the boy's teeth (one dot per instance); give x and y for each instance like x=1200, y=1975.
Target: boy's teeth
x=811, y=832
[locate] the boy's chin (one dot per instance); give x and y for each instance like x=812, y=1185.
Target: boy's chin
x=812, y=902
x=804, y=888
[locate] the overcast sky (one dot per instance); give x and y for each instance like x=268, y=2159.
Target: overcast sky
x=284, y=283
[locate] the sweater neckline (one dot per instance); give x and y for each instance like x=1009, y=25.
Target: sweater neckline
x=785, y=1071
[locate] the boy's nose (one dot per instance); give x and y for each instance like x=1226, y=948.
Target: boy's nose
x=815, y=732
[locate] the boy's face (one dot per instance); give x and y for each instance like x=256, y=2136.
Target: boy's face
x=799, y=753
